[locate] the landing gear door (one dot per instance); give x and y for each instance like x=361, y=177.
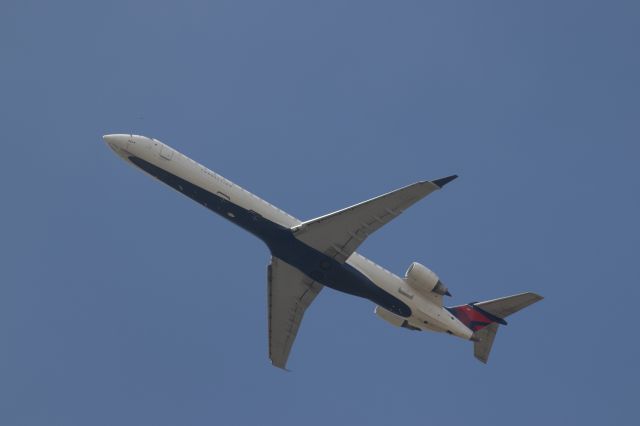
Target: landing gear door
x=166, y=152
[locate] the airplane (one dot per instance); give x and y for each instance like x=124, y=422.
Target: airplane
x=307, y=256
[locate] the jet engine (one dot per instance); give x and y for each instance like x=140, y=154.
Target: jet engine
x=423, y=279
x=394, y=319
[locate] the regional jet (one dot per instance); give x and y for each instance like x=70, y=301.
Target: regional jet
x=307, y=256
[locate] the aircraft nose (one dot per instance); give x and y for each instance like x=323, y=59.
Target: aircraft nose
x=115, y=141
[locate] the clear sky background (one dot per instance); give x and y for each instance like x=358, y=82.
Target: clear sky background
x=124, y=303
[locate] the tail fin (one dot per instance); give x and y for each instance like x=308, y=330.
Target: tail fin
x=483, y=318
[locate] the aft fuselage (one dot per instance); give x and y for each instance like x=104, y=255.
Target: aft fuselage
x=357, y=276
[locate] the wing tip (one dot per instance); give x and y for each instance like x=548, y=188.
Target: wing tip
x=443, y=181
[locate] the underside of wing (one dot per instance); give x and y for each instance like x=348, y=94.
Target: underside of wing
x=290, y=294
x=339, y=234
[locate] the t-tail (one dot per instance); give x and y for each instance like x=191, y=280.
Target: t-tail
x=483, y=319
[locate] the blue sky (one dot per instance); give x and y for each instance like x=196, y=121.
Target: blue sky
x=122, y=302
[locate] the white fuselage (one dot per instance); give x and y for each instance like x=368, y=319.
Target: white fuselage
x=163, y=161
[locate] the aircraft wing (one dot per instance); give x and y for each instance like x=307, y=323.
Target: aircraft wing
x=339, y=234
x=290, y=294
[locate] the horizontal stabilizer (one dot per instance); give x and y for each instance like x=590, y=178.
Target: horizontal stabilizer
x=505, y=306
x=483, y=318
x=483, y=341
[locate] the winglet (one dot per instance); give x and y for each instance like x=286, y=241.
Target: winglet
x=443, y=181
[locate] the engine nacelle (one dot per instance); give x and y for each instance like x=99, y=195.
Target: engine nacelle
x=389, y=317
x=394, y=319
x=423, y=279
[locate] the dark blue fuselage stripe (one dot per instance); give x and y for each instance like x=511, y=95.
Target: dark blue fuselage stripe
x=283, y=244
